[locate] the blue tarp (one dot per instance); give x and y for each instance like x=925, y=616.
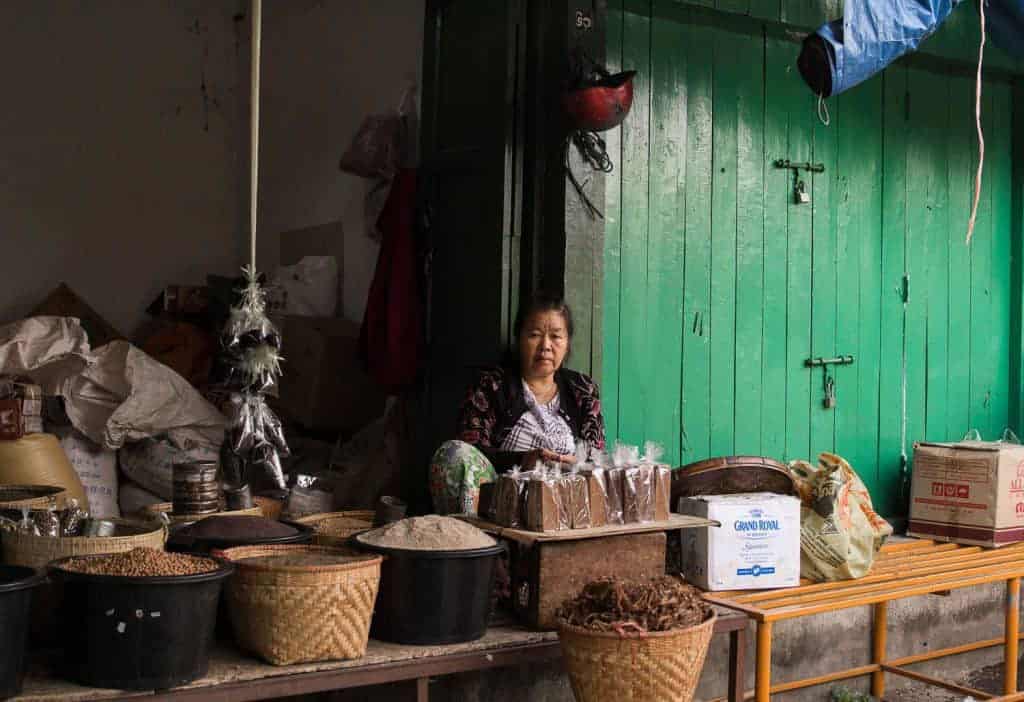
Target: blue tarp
x=874, y=33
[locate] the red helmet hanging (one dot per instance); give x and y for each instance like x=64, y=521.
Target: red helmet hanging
x=602, y=105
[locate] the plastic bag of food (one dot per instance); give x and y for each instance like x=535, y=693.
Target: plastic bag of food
x=563, y=496
x=47, y=521
x=613, y=485
x=27, y=525
x=508, y=498
x=546, y=507
x=579, y=500
x=638, y=494
x=662, y=480
x=72, y=519
x=637, y=485
x=540, y=510
x=840, y=532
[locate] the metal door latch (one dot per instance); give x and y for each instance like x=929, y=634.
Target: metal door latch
x=800, y=194
x=829, y=382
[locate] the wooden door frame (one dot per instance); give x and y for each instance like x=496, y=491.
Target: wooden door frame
x=1016, y=388
x=563, y=245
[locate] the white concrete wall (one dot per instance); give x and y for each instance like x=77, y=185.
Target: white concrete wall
x=327, y=64
x=118, y=143
x=124, y=139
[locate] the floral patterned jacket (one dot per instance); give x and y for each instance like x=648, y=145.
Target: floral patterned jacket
x=495, y=403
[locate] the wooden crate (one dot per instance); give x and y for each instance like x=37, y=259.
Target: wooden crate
x=546, y=573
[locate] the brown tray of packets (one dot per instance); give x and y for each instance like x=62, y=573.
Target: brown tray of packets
x=599, y=496
x=523, y=536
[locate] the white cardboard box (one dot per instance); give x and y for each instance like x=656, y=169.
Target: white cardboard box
x=757, y=545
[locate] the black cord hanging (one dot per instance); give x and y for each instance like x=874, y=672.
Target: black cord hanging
x=593, y=151
x=585, y=74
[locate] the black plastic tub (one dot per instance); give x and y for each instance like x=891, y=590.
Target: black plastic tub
x=432, y=597
x=201, y=546
x=132, y=633
x=16, y=585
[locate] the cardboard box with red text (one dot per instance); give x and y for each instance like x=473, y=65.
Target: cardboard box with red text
x=970, y=492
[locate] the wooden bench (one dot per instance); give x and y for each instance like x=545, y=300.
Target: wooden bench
x=902, y=570
x=234, y=677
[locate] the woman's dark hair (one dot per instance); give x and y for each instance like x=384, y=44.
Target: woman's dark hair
x=543, y=302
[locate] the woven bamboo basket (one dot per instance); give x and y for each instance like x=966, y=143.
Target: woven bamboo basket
x=662, y=666
x=17, y=497
x=334, y=528
x=302, y=613
x=270, y=507
x=37, y=551
x=154, y=512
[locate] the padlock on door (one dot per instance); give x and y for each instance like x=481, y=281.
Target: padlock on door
x=800, y=194
x=830, y=392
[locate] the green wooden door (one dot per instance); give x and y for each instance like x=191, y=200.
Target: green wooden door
x=718, y=285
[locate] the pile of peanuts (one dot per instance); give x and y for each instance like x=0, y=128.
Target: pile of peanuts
x=141, y=563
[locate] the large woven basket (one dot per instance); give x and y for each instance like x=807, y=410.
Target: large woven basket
x=296, y=614
x=334, y=528
x=16, y=497
x=662, y=666
x=154, y=512
x=37, y=551
x=270, y=507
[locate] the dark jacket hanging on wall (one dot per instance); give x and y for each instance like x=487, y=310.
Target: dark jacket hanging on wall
x=390, y=338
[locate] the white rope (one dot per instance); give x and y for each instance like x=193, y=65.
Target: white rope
x=254, y=125
x=823, y=108
x=977, y=121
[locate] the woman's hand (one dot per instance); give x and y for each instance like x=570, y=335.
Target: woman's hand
x=532, y=458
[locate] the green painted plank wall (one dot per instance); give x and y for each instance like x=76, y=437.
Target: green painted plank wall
x=889, y=478
x=718, y=285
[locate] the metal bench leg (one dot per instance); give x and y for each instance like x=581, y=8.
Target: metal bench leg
x=880, y=631
x=1012, y=631
x=737, y=664
x=763, y=680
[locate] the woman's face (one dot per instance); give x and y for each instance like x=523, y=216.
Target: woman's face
x=543, y=344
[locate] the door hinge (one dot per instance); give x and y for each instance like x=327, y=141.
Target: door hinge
x=905, y=288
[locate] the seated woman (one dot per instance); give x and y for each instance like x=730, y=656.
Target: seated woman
x=531, y=411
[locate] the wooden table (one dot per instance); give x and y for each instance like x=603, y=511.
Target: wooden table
x=234, y=677
x=902, y=570
x=524, y=536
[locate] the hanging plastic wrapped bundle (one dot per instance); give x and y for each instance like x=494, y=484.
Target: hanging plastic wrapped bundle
x=251, y=342
x=871, y=35
x=252, y=345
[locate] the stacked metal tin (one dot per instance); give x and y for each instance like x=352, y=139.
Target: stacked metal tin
x=196, y=488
